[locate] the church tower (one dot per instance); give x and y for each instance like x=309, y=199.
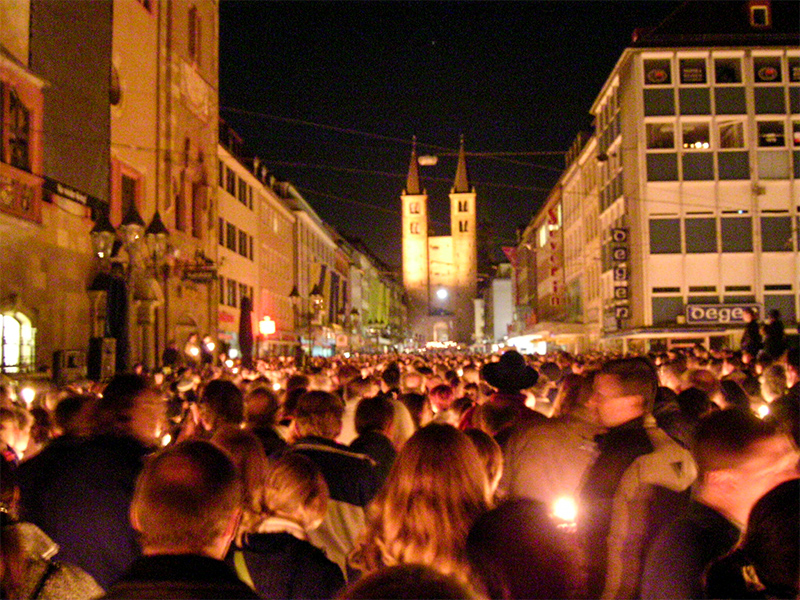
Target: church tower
x=465, y=250
x=415, y=249
x=440, y=272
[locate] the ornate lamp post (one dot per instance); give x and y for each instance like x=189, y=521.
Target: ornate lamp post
x=156, y=237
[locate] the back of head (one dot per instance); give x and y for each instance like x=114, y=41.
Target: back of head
x=772, y=539
x=442, y=396
x=637, y=376
x=490, y=453
x=113, y=410
x=374, y=414
x=222, y=402
x=261, y=407
x=247, y=453
x=734, y=394
x=407, y=582
x=723, y=439
x=185, y=498
x=391, y=376
x=428, y=504
x=694, y=403
x=295, y=489
x=319, y=414
x=518, y=552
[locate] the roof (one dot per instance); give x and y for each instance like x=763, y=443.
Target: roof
x=412, y=182
x=461, y=183
x=714, y=23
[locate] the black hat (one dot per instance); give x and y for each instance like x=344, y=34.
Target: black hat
x=510, y=373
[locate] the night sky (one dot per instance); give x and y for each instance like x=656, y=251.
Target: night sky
x=329, y=95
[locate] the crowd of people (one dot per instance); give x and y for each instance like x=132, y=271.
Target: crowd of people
x=447, y=475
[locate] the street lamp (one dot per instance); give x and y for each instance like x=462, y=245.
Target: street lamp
x=103, y=235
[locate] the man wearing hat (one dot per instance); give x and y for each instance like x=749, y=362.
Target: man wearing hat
x=505, y=411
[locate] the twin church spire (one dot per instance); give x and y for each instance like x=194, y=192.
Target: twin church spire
x=460, y=184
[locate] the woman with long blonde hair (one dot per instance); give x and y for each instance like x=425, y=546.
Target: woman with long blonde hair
x=422, y=515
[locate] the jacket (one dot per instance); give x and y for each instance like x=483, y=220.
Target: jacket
x=652, y=490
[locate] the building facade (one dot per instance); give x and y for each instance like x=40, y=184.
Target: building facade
x=693, y=180
x=440, y=272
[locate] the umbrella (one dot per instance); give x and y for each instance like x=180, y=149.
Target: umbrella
x=246, y=332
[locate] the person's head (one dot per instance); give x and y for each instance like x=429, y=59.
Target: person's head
x=739, y=458
x=771, y=541
x=419, y=406
x=510, y=374
x=361, y=387
x=624, y=389
x=694, y=403
x=130, y=406
x=792, y=366
x=221, y=402
x=773, y=382
x=390, y=377
x=374, y=414
x=295, y=489
x=318, y=414
x=491, y=456
x=408, y=582
x=749, y=314
x=73, y=414
x=187, y=501
x=427, y=505
x=734, y=394
x=261, y=407
x=412, y=382
x=247, y=453
x=573, y=391
x=441, y=397
x=517, y=552
x=774, y=315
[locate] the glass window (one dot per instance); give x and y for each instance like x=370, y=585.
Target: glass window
x=696, y=136
x=221, y=232
x=698, y=166
x=232, y=287
x=693, y=70
x=730, y=101
x=662, y=167
x=728, y=70
x=737, y=234
x=230, y=181
x=782, y=302
x=767, y=69
x=769, y=100
x=243, y=243
x=657, y=72
x=771, y=134
x=695, y=101
x=794, y=99
x=796, y=134
x=231, y=245
x=659, y=102
x=734, y=165
x=17, y=126
x=773, y=164
x=776, y=234
x=701, y=235
x=660, y=135
x=221, y=289
x=665, y=236
x=731, y=134
x=666, y=309
x=794, y=69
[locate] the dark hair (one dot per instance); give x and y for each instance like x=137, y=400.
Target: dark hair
x=269, y=410
x=373, y=414
x=319, y=413
x=415, y=403
x=734, y=394
x=723, y=439
x=407, y=582
x=694, y=403
x=517, y=552
x=118, y=399
x=223, y=401
x=391, y=375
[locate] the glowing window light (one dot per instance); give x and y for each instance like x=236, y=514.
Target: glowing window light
x=565, y=509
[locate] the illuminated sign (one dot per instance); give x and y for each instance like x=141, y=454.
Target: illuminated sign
x=266, y=326
x=706, y=314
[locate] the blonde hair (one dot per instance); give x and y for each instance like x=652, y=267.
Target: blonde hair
x=247, y=452
x=424, y=511
x=295, y=489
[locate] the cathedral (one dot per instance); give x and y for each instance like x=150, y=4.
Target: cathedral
x=440, y=272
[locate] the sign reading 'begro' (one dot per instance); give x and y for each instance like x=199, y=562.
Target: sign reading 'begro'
x=706, y=314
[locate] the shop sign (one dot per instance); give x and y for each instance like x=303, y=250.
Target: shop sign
x=707, y=314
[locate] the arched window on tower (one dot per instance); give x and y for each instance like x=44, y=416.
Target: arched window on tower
x=463, y=206
x=17, y=348
x=413, y=208
x=414, y=228
x=462, y=227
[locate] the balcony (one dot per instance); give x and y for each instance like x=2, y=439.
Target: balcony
x=20, y=194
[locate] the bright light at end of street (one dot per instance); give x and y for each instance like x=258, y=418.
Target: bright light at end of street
x=441, y=294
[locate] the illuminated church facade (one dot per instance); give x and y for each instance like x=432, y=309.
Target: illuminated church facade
x=440, y=272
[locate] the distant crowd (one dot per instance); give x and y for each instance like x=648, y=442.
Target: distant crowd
x=443, y=475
